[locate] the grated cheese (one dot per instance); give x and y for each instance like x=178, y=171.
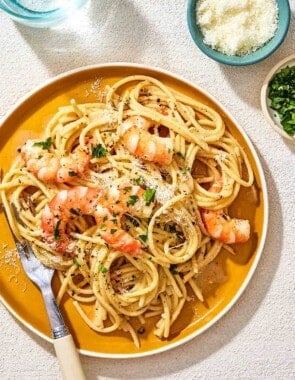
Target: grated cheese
x=237, y=27
x=8, y=256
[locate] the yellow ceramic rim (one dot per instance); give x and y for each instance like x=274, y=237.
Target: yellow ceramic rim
x=259, y=250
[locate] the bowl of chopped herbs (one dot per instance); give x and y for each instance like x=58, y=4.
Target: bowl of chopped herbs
x=278, y=97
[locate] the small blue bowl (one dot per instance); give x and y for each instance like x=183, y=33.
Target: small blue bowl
x=247, y=59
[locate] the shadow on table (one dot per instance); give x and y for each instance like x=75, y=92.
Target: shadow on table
x=290, y=144
x=218, y=335
x=223, y=331
x=107, y=31
x=107, y=15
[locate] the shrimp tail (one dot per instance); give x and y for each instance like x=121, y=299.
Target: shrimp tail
x=54, y=232
x=49, y=167
x=121, y=241
x=224, y=228
x=138, y=141
x=102, y=204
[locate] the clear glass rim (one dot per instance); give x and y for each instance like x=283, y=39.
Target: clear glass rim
x=38, y=15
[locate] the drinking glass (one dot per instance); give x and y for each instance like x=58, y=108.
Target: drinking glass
x=40, y=13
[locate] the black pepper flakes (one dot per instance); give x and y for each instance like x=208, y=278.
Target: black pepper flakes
x=141, y=330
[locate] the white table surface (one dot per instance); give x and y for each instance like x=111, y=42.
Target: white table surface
x=255, y=340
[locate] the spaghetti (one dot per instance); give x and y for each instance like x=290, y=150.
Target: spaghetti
x=145, y=194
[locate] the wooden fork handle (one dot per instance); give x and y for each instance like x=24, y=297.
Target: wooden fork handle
x=68, y=358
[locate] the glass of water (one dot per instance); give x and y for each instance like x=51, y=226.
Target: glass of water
x=40, y=13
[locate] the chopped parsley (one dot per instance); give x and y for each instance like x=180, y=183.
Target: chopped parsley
x=76, y=262
x=72, y=173
x=185, y=170
x=138, y=181
x=56, y=232
x=113, y=230
x=180, y=154
x=102, y=268
x=143, y=237
x=98, y=151
x=132, y=200
x=282, y=96
x=149, y=196
x=44, y=144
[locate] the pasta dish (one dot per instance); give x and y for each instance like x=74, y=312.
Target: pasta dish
x=127, y=198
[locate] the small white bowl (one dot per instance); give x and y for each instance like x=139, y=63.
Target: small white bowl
x=271, y=116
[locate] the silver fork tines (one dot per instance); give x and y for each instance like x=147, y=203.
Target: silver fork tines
x=63, y=342
x=40, y=275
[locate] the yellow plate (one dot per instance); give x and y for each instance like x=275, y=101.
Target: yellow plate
x=22, y=298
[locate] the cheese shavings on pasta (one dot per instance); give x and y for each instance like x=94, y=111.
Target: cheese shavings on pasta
x=168, y=229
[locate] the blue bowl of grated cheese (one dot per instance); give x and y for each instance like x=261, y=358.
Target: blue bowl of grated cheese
x=240, y=32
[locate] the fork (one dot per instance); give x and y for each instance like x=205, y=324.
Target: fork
x=41, y=275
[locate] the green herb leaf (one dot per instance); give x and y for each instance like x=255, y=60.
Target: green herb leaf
x=180, y=154
x=282, y=96
x=185, y=170
x=132, y=200
x=44, y=144
x=72, y=173
x=138, y=181
x=149, y=196
x=143, y=237
x=102, y=268
x=113, y=230
x=56, y=232
x=98, y=151
x=75, y=261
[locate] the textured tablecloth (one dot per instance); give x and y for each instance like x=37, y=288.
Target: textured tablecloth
x=255, y=340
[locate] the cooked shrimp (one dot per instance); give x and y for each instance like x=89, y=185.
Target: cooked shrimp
x=224, y=228
x=143, y=144
x=221, y=226
x=48, y=167
x=106, y=205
